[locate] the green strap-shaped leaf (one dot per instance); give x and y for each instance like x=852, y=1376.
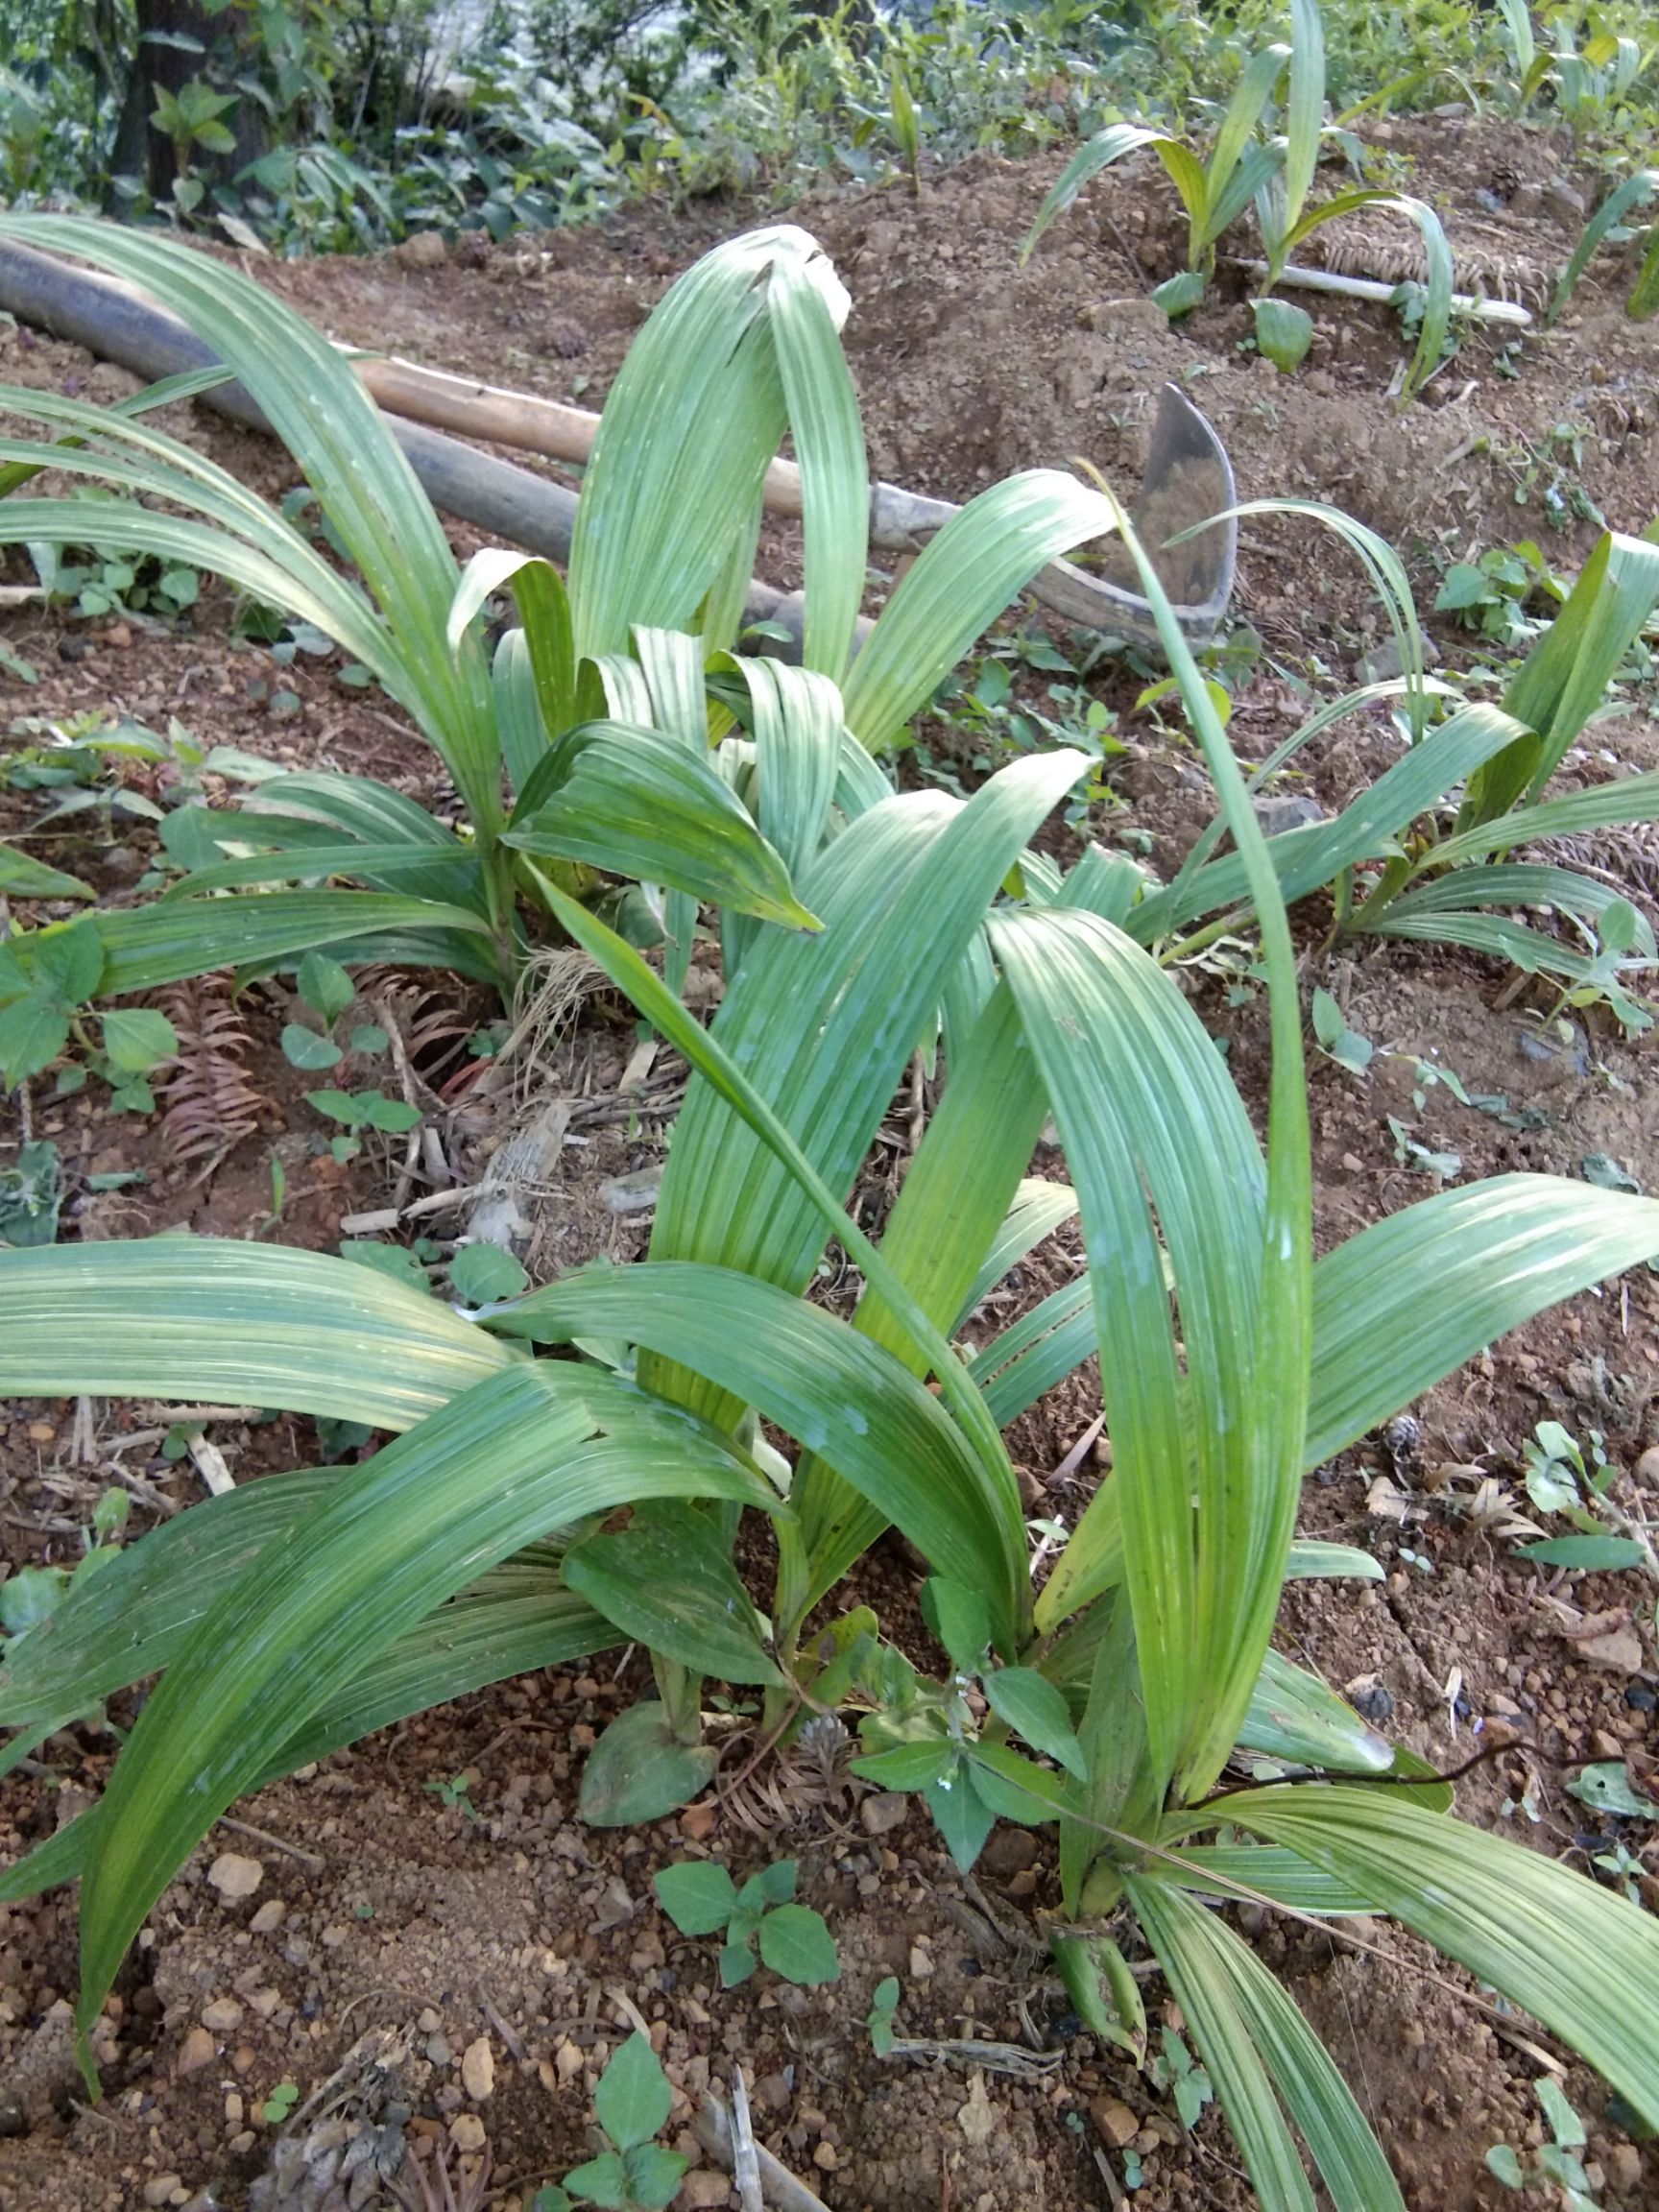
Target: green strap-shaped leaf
x=145, y=947
x=795, y=718
x=511, y=1622
x=946, y=1219
x=1090, y=157
x=822, y=1027
x=672, y=490
x=1519, y=883
x=189, y=1317
x=1039, y=1209
x=1180, y=1932
x=963, y=579
x=1396, y=1308
x=672, y=665
x=321, y=411
x=1260, y=1873
x=545, y=611
x=524, y=1452
x=1145, y=1109
x=1305, y=115
x=1565, y=677
x=506, y=1624
x=1293, y=1716
x=458, y=879
x=1598, y=807
x=925, y=1341
x=1633, y=191
x=845, y=1398
x=518, y=719
x=639, y=802
x=131, y=1618
x=1577, y=1956
x=1254, y=2043
x=829, y=437
x=24, y=878
x=1404, y=1304
x=667, y=1581
x=1309, y=858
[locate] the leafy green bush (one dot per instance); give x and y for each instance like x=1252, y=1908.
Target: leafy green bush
x=295, y=1614
x=597, y=713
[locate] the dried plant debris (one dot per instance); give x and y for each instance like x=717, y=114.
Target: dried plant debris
x=208, y=1098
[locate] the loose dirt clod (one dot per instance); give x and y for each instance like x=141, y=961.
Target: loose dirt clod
x=235, y=1877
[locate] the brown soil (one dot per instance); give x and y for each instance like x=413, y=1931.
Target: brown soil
x=432, y=1888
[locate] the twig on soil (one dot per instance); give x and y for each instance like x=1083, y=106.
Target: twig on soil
x=779, y=2187
x=210, y=1465
x=745, y=2159
x=1113, y=2187
x=387, y=1217
x=406, y=1082
x=629, y=2011
x=508, y=2033
x=995, y=2057
x=264, y=1836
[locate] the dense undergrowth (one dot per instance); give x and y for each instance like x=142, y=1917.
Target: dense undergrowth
x=376, y=121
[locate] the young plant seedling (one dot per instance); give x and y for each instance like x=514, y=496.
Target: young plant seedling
x=883, y=2005
x=360, y=1109
x=1557, y=2166
x=32, y=1594
x=702, y=1899
x=635, y=2174
x=1180, y=2073
x=328, y=989
x=41, y=1008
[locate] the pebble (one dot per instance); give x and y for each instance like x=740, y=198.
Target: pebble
x=1620, y=1650
x=467, y=2133
x=1114, y=2122
x=1646, y=1467
x=704, y=2190
x=194, y=2053
x=921, y=1963
x=437, y=2048
x=42, y=1432
x=269, y=1918
x=1624, y=2169
x=242, y=2058
x=233, y=1876
x=825, y=2157
x=160, y=2187
x=478, y=2069
x=221, y=2015
x=427, y=250
x=883, y=1812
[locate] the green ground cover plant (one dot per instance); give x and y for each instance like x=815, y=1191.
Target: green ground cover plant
x=1108, y=1699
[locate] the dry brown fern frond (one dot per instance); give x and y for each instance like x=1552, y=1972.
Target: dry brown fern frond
x=209, y=1100
x=806, y=1784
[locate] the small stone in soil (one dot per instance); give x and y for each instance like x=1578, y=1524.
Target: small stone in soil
x=194, y=2053
x=880, y=1814
x=269, y=1918
x=1624, y=2169
x=1114, y=2122
x=467, y=2132
x=704, y=2190
x=233, y=1876
x=478, y=2069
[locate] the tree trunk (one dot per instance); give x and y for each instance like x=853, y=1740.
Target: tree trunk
x=224, y=46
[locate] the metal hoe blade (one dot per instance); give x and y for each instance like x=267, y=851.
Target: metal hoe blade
x=1189, y=481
